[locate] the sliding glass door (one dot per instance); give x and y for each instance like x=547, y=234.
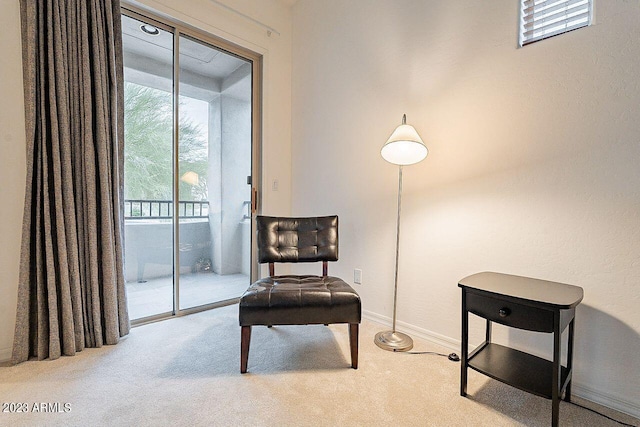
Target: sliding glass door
x=189, y=146
x=214, y=162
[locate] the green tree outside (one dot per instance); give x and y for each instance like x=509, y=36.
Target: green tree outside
x=148, y=169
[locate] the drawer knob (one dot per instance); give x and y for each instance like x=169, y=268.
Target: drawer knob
x=504, y=312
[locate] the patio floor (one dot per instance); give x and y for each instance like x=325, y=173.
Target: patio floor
x=155, y=296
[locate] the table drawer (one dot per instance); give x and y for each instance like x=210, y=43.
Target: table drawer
x=509, y=313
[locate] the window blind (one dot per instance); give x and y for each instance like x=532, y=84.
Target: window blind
x=541, y=19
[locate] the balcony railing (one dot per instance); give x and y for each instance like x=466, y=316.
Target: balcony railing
x=163, y=209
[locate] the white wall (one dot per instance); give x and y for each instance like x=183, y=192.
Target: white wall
x=206, y=15
x=12, y=169
x=533, y=164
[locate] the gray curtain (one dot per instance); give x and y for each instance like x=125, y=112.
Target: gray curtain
x=71, y=293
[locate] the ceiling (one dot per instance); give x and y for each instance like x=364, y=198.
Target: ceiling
x=202, y=66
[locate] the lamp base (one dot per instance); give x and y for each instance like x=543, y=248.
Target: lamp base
x=393, y=341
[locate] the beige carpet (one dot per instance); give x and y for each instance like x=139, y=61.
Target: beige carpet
x=185, y=371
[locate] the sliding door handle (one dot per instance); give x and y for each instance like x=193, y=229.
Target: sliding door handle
x=254, y=200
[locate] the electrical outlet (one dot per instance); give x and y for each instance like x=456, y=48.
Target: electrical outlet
x=357, y=276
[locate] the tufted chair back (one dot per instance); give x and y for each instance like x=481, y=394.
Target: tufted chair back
x=297, y=239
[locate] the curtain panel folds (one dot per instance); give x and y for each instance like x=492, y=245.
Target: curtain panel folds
x=71, y=292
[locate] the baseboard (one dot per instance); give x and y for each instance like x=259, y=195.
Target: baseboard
x=415, y=331
x=579, y=390
x=5, y=354
x=604, y=399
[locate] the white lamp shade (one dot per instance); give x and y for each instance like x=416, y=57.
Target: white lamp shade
x=404, y=146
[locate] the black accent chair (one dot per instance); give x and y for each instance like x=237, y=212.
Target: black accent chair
x=294, y=299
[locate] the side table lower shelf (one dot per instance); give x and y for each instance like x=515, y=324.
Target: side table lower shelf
x=516, y=368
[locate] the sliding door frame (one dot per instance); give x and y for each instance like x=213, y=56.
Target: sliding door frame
x=181, y=29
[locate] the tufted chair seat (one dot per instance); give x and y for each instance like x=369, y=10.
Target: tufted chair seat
x=298, y=299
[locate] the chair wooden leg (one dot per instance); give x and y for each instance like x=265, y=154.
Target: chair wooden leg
x=245, y=339
x=353, y=343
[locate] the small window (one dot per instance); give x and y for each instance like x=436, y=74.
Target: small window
x=541, y=19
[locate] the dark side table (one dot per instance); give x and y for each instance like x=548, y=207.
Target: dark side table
x=523, y=303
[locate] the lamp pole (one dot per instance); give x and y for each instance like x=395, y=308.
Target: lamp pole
x=395, y=279
x=393, y=340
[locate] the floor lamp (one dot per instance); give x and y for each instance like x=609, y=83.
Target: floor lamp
x=404, y=147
